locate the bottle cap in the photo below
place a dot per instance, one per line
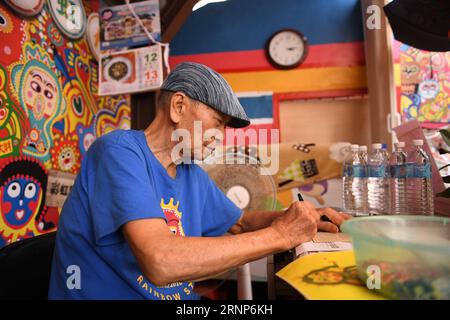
(362, 148)
(354, 147)
(400, 144)
(418, 142)
(376, 146)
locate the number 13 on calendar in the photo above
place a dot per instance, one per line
(152, 66)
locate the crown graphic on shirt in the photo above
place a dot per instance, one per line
(171, 207)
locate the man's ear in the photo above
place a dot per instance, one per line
(178, 107)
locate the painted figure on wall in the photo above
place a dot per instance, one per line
(40, 95)
(425, 85)
(66, 154)
(23, 182)
(50, 115)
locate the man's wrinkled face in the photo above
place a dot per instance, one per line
(206, 128)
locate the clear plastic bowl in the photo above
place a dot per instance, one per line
(411, 254)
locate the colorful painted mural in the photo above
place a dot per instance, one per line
(424, 89)
(49, 115)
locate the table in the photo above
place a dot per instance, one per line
(277, 288)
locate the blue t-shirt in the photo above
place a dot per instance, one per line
(120, 181)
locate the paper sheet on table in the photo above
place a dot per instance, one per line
(327, 276)
(315, 247)
(331, 237)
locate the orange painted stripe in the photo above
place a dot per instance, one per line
(297, 80)
(324, 55)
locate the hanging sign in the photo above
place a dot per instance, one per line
(58, 187)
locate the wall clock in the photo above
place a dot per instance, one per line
(26, 7)
(287, 49)
(69, 16)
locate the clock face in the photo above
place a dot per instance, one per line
(287, 49)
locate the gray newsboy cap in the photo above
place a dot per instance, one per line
(203, 84)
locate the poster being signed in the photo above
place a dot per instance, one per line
(327, 276)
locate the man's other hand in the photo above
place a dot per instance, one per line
(335, 220)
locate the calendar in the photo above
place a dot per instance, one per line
(131, 71)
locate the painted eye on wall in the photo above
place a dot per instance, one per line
(48, 94)
(35, 86)
(30, 190)
(14, 190)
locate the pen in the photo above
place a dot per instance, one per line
(323, 217)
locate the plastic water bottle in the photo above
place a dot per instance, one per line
(419, 190)
(397, 165)
(354, 184)
(378, 182)
(363, 153)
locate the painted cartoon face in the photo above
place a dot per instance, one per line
(428, 89)
(66, 159)
(20, 200)
(40, 93)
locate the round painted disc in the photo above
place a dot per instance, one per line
(26, 7)
(70, 17)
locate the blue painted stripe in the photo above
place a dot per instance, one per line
(237, 25)
(257, 107)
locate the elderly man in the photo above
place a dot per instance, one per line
(139, 224)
